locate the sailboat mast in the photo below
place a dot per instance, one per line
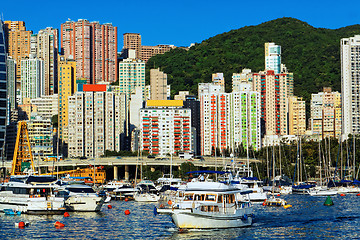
(267, 161)
(280, 158)
(354, 156)
(320, 173)
(300, 162)
(273, 186)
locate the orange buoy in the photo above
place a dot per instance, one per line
(59, 224)
(358, 194)
(21, 225)
(169, 202)
(278, 195)
(109, 206)
(342, 194)
(162, 206)
(264, 203)
(127, 212)
(66, 214)
(126, 199)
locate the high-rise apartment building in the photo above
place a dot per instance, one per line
(297, 116)
(326, 114)
(165, 127)
(3, 88)
(133, 41)
(158, 84)
(148, 51)
(32, 78)
(273, 57)
(275, 89)
(67, 87)
(244, 125)
(40, 135)
(193, 104)
(131, 75)
(228, 120)
(11, 83)
(45, 46)
(242, 81)
(46, 106)
(218, 79)
(95, 124)
(350, 85)
(18, 44)
(94, 47)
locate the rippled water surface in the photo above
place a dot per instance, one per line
(307, 219)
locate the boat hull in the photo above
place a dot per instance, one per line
(190, 220)
(40, 205)
(84, 204)
(146, 197)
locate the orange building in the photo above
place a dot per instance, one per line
(18, 46)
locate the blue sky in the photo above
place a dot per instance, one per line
(179, 22)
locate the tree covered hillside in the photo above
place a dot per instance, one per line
(312, 54)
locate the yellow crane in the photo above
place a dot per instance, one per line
(23, 158)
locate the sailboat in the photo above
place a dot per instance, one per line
(321, 190)
(273, 201)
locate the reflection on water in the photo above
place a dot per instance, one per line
(307, 219)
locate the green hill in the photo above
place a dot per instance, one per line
(312, 54)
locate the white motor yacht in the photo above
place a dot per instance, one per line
(32, 195)
(147, 192)
(120, 189)
(253, 184)
(81, 197)
(167, 181)
(208, 205)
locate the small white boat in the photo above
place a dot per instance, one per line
(146, 192)
(322, 191)
(208, 205)
(275, 202)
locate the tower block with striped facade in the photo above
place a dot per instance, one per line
(23, 158)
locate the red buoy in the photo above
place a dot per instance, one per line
(342, 194)
(278, 195)
(59, 224)
(358, 194)
(109, 206)
(21, 225)
(127, 212)
(126, 199)
(264, 203)
(66, 214)
(169, 202)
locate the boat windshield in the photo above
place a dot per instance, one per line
(81, 190)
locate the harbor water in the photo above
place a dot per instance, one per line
(307, 219)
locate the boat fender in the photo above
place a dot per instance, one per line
(58, 224)
(245, 217)
(155, 211)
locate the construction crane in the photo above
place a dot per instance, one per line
(23, 158)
